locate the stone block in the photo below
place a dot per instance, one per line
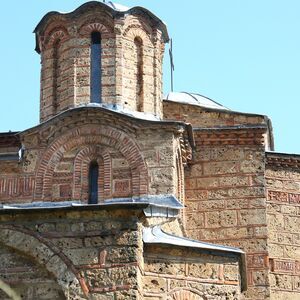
(82, 256)
(204, 270)
(220, 154)
(253, 166)
(212, 219)
(123, 254)
(195, 170)
(213, 168)
(252, 217)
(174, 283)
(165, 267)
(276, 250)
(292, 252)
(231, 272)
(233, 181)
(195, 220)
(228, 218)
(260, 277)
(279, 281)
(154, 284)
(68, 243)
(207, 182)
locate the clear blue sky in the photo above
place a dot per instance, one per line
(243, 54)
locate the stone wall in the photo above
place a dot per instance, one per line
(93, 253)
(283, 216)
(26, 277)
(225, 198)
(178, 273)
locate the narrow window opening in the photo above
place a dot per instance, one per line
(93, 182)
(56, 75)
(95, 58)
(139, 74)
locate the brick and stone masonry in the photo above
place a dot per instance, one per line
(216, 163)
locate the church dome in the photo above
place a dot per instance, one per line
(194, 99)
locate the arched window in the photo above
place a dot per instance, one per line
(138, 44)
(93, 182)
(56, 75)
(95, 59)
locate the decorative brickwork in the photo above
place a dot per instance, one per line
(81, 169)
(16, 188)
(101, 77)
(81, 138)
(70, 86)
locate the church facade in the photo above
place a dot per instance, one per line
(120, 193)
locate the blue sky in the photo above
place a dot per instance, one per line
(244, 54)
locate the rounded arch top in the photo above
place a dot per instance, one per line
(133, 32)
(88, 28)
(59, 33)
(23, 241)
(85, 136)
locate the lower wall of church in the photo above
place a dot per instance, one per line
(283, 216)
(177, 273)
(225, 204)
(71, 254)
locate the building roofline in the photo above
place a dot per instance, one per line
(121, 114)
(267, 120)
(283, 160)
(115, 12)
(8, 133)
(100, 108)
(282, 154)
(237, 127)
(228, 111)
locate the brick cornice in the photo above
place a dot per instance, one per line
(10, 139)
(231, 135)
(283, 160)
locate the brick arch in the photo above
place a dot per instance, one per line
(54, 262)
(135, 31)
(81, 168)
(90, 27)
(86, 136)
(102, 22)
(58, 33)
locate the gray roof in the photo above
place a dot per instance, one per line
(155, 235)
(116, 6)
(160, 201)
(194, 99)
(169, 201)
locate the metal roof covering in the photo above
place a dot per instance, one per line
(116, 6)
(155, 235)
(194, 99)
(167, 201)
